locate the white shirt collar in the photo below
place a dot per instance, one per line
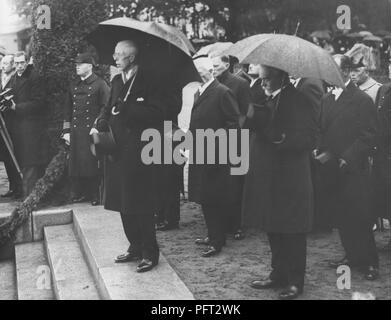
(204, 86)
(129, 74)
(338, 91)
(86, 77)
(368, 84)
(253, 81)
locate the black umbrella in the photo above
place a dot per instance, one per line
(164, 51)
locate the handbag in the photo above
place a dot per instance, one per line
(103, 143)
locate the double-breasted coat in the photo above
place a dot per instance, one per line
(84, 102)
(212, 184)
(130, 184)
(29, 123)
(278, 191)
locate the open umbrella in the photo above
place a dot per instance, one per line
(373, 39)
(164, 50)
(2, 50)
(321, 34)
(298, 57)
(214, 49)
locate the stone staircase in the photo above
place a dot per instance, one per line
(68, 254)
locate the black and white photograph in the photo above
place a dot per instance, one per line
(195, 154)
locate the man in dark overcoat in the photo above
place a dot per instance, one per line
(348, 136)
(85, 99)
(382, 159)
(242, 93)
(278, 192)
(135, 104)
(315, 89)
(29, 124)
(15, 182)
(212, 185)
(257, 93)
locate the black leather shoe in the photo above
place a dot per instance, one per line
(239, 235)
(371, 273)
(290, 293)
(337, 263)
(146, 265)
(267, 283)
(167, 226)
(95, 202)
(127, 257)
(203, 241)
(210, 252)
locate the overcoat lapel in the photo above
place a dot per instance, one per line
(206, 93)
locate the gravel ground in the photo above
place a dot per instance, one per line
(227, 275)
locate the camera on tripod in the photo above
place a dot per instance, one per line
(6, 99)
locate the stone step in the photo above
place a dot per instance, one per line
(102, 238)
(32, 272)
(7, 280)
(71, 277)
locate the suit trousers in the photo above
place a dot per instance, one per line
(215, 219)
(15, 182)
(141, 234)
(358, 241)
(235, 211)
(289, 256)
(169, 211)
(31, 175)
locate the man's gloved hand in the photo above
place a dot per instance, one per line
(67, 138)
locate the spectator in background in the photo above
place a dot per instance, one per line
(85, 99)
(15, 183)
(258, 95)
(348, 135)
(28, 129)
(360, 77)
(242, 93)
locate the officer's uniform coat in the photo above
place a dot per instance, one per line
(84, 102)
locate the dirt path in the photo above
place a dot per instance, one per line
(227, 275)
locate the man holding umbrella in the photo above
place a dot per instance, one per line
(130, 188)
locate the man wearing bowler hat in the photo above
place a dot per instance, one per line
(85, 99)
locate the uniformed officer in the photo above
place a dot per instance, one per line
(85, 99)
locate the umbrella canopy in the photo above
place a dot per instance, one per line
(163, 50)
(214, 49)
(298, 57)
(2, 50)
(373, 39)
(355, 35)
(365, 33)
(321, 34)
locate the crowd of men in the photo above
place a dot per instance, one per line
(319, 156)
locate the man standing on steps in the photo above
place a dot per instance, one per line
(29, 125)
(136, 103)
(242, 94)
(15, 182)
(86, 98)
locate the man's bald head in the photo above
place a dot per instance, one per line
(7, 63)
(125, 54)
